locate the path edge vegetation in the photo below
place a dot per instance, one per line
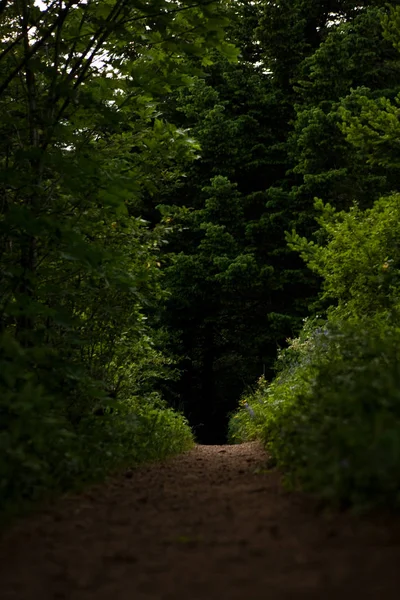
(82, 143)
(330, 417)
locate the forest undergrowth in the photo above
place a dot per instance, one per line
(331, 416)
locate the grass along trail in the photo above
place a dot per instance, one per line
(211, 524)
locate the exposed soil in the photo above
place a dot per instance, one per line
(207, 525)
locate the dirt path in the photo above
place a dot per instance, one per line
(204, 526)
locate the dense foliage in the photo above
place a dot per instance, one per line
(82, 141)
(189, 188)
(236, 290)
(330, 418)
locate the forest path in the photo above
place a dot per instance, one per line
(204, 526)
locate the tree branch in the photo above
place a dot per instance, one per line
(35, 47)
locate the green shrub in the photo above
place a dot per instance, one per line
(331, 418)
(136, 433)
(358, 257)
(245, 425)
(42, 451)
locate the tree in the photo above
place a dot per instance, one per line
(82, 141)
(355, 54)
(236, 292)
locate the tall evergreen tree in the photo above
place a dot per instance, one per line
(270, 140)
(356, 54)
(236, 293)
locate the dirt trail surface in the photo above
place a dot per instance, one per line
(211, 524)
